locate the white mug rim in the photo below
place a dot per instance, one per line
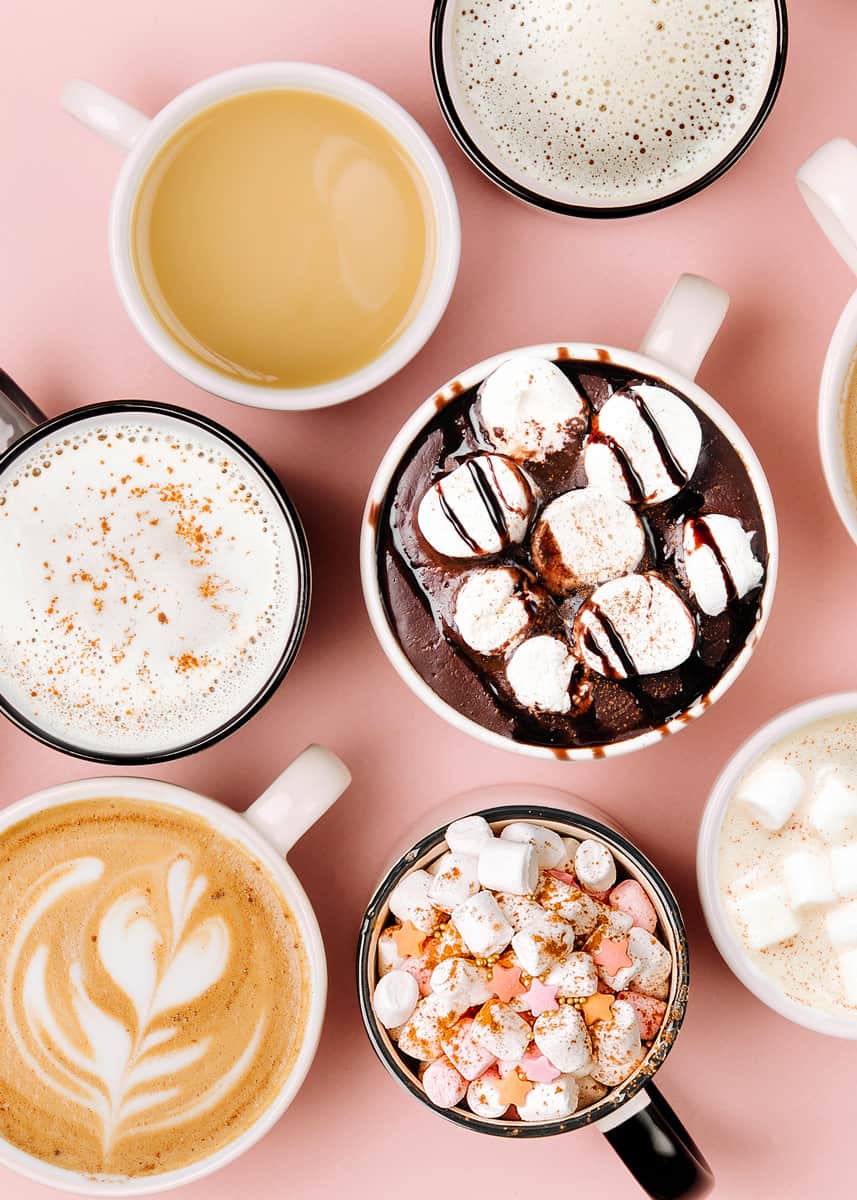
(233, 826)
(370, 100)
(841, 353)
(588, 352)
(767, 735)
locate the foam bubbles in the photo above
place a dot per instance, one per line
(606, 102)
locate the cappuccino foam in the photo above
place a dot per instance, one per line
(148, 583)
(605, 102)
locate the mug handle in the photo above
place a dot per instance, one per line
(828, 183)
(656, 1148)
(298, 797)
(104, 114)
(686, 324)
(18, 414)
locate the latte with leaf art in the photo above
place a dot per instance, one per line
(154, 987)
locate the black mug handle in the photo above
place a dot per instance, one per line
(658, 1151)
(18, 414)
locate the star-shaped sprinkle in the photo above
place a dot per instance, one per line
(563, 877)
(538, 1068)
(597, 1008)
(513, 1089)
(409, 940)
(612, 956)
(540, 998)
(506, 982)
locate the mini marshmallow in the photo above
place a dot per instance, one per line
(617, 1045)
(843, 869)
(579, 909)
(508, 866)
(389, 958)
(542, 943)
(483, 927)
(550, 1101)
(518, 910)
(719, 562)
(636, 625)
(650, 1013)
(570, 845)
(644, 445)
(548, 844)
(395, 998)
(466, 1055)
(421, 1035)
(483, 1096)
(529, 409)
(563, 1038)
(460, 983)
(539, 673)
(418, 967)
(501, 1031)
(833, 809)
(491, 610)
(589, 1091)
(409, 901)
(848, 974)
(594, 866)
(841, 925)
(585, 537)
(630, 897)
(808, 879)
(654, 964)
(443, 1085)
(766, 917)
(574, 976)
(772, 792)
(453, 881)
(468, 835)
(480, 508)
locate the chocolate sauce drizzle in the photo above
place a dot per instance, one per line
(617, 645)
(702, 536)
(673, 468)
(633, 482)
(491, 498)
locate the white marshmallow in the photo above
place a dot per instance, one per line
(580, 910)
(480, 508)
(389, 958)
(483, 1096)
(637, 625)
(466, 1055)
(453, 880)
(589, 1091)
(461, 983)
(518, 910)
(539, 672)
(594, 866)
(843, 869)
(841, 925)
(421, 1035)
(653, 962)
(482, 926)
(808, 879)
(570, 845)
(506, 866)
(623, 444)
(772, 792)
(585, 537)
(491, 612)
(409, 901)
(501, 1031)
(617, 1045)
(833, 809)
(550, 1101)
(766, 917)
(468, 835)
(563, 1039)
(848, 974)
(548, 844)
(542, 943)
(719, 561)
(529, 409)
(395, 998)
(575, 976)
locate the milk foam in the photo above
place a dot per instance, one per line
(607, 102)
(148, 583)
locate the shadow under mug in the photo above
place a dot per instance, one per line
(634, 1117)
(23, 425)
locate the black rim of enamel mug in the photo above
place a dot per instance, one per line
(616, 1097)
(490, 168)
(293, 524)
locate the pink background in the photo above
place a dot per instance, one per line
(771, 1105)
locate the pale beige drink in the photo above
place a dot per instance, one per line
(849, 401)
(283, 237)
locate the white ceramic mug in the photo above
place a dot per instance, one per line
(142, 137)
(708, 862)
(672, 350)
(267, 830)
(828, 183)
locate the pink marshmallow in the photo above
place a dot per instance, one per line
(443, 1085)
(650, 1013)
(418, 967)
(629, 897)
(468, 1057)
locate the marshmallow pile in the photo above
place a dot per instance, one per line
(522, 976)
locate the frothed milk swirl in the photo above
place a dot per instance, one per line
(154, 988)
(606, 102)
(148, 583)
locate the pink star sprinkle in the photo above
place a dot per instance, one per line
(541, 998)
(538, 1068)
(612, 956)
(506, 982)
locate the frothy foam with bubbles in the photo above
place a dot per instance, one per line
(604, 102)
(148, 583)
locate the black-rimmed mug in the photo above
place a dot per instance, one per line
(489, 160)
(634, 1117)
(23, 426)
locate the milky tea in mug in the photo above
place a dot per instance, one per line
(283, 237)
(155, 988)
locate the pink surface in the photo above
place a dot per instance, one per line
(771, 1105)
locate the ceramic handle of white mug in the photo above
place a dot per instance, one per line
(828, 184)
(686, 324)
(102, 113)
(18, 414)
(299, 796)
